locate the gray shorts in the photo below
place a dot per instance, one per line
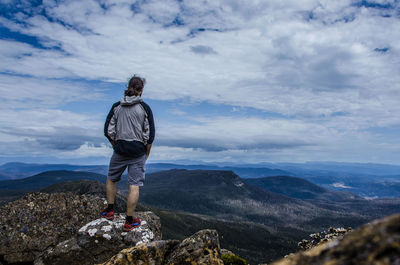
(136, 169)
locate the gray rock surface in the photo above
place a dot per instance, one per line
(58, 228)
(323, 237)
(100, 239)
(147, 253)
(201, 248)
(38, 221)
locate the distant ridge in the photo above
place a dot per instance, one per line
(243, 172)
(298, 188)
(15, 170)
(48, 178)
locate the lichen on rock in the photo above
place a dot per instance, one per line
(100, 239)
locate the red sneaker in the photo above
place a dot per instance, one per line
(130, 226)
(109, 215)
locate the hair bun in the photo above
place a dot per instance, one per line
(135, 86)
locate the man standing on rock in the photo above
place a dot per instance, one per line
(130, 129)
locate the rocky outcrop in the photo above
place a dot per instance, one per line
(375, 243)
(59, 229)
(100, 239)
(151, 253)
(323, 237)
(201, 248)
(37, 221)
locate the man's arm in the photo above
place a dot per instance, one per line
(109, 126)
(151, 128)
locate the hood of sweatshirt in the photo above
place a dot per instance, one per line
(128, 101)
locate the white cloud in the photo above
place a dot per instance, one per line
(87, 150)
(260, 139)
(230, 133)
(163, 12)
(30, 92)
(331, 66)
(48, 129)
(340, 185)
(286, 59)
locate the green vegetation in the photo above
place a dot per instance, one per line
(231, 259)
(257, 243)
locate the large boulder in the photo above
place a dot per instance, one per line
(201, 248)
(100, 239)
(147, 253)
(37, 221)
(375, 243)
(323, 237)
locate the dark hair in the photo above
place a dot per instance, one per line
(135, 86)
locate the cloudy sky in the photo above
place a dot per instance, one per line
(228, 81)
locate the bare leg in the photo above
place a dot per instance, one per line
(111, 190)
(133, 199)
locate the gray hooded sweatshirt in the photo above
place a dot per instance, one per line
(130, 126)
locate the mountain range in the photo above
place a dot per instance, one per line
(15, 188)
(225, 195)
(365, 180)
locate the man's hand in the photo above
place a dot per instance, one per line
(148, 148)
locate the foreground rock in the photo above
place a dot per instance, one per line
(375, 243)
(323, 237)
(37, 221)
(100, 239)
(57, 229)
(200, 248)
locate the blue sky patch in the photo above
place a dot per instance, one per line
(382, 50)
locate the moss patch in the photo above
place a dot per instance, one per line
(230, 259)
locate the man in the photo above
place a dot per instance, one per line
(130, 129)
